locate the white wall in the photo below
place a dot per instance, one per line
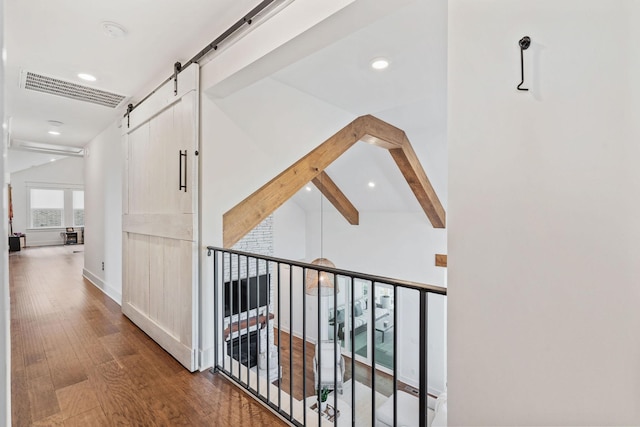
(289, 232)
(400, 245)
(544, 237)
(5, 337)
(67, 171)
(222, 181)
(18, 160)
(291, 320)
(289, 242)
(237, 158)
(103, 212)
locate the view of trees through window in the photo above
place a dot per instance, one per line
(78, 208)
(56, 208)
(47, 208)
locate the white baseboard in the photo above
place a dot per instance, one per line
(207, 357)
(38, 243)
(100, 284)
(297, 335)
(413, 382)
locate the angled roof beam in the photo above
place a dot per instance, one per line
(250, 212)
(416, 177)
(337, 198)
(247, 214)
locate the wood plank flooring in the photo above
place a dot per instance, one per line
(364, 375)
(77, 361)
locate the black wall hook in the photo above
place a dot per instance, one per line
(524, 44)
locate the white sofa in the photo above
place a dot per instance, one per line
(361, 319)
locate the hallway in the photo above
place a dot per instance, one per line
(77, 361)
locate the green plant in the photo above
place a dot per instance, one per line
(324, 393)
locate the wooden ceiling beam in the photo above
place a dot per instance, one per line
(337, 198)
(250, 212)
(247, 214)
(441, 260)
(382, 134)
(416, 177)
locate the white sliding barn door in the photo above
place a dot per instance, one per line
(160, 217)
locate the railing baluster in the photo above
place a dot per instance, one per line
(304, 345)
(336, 346)
(279, 340)
(291, 340)
(267, 325)
(395, 355)
(240, 322)
(224, 320)
(237, 315)
(257, 317)
(318, 363)
(216, 289)
(248, 334)
(372, 310)
(230, 335)
(236, 293)
(353, 353)
(424, 313)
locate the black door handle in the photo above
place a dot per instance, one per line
(182, 174)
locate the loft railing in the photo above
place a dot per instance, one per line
(257, 297)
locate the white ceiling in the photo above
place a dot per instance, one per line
(21, 160)
(335, 84)
(410, 94)
(65, 37)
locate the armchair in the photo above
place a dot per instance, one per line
(329, 354)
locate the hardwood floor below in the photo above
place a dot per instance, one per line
(364, 374)
(77, 361)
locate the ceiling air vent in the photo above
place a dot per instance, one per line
(53, 86)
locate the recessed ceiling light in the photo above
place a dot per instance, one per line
(113, 29)
(52, 160)
(379, 64)
(307, 188)
(87, 77)
(55, 123)
(372, 184)
(54, 132)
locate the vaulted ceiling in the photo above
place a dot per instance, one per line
(66, 37)
(337, 84)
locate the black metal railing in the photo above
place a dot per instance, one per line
(255, 295)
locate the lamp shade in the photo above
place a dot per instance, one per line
(323, 283)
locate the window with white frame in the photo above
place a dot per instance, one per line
(78, 208)
(56, 207)
(47, 208)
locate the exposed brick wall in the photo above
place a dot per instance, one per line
(258, 241)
